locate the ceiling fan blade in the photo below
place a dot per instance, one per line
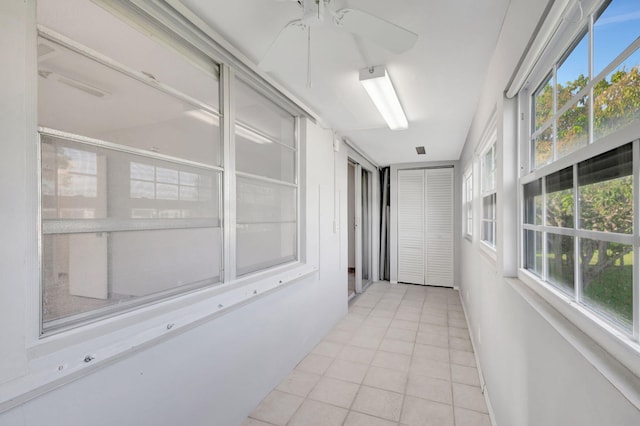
(379, 31)
(291, 33)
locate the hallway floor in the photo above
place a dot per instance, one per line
(401, 356)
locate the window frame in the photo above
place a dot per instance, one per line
(226, 171)
(248, 129)
(467, 203)
(624, 345)
(490, 194)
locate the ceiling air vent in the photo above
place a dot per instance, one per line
(420, 150)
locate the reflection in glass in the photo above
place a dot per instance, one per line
(366, 234)
(560, 260)
(560, 198)
(617, 98)
(489, 170)
(259, 112)
(85, 272)
(489, 219)
(543, 104)
(573, 73)
(266, 226)
(606, 191)
(607, 279)
(543, 144)
(263, 157)
(122, 110)
(573, 127)
(533, 202)
(259, 201)
(72, 182)
(533, 251)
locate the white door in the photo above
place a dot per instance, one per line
(439, 227)
(411, 250)
(425, 226)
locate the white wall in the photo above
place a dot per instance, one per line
(218, 371)
(533, 375)
(212, 371)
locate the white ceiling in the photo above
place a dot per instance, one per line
(438, 81)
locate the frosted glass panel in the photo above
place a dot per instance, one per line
(266, 225)
(107, 271)
(87, 22)
(88, 182)
(263, 245)
(83, 97)
(260, 202)
(263, 115)
(261, 157)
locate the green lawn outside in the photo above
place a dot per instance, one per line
(611, 290)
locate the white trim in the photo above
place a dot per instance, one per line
(356, 154)
(125, 149)
(60, 359)
(544, 35)
(489, 134)
(476, 356)
(587, 333)
(467, 203)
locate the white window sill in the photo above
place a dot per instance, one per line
(69, 355)
(610, 352)
(488, 251)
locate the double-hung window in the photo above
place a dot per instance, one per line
(266, 182)
(489, 192)
(134, 178)
(580, 231)
(130, 192)
(467, 182)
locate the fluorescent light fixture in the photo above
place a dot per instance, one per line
(378, 85)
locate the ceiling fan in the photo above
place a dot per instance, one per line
(362, 24)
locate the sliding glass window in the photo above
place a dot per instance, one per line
(130, 180)
(266, 182)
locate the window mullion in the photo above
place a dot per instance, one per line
(576, 242)
(229, 181)
(545, 263)
(636, 245)
(591, 91)
(555, 114)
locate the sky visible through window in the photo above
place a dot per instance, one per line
(614, 30)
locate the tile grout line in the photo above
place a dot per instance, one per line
(350, 409)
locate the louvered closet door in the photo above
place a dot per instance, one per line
(439, 227)
(411, 253)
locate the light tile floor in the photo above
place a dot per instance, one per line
(401, 356)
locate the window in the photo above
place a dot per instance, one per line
(467, 202)
(588, 256)
(579, 232)
(266, 183)
(581, 108)
(130, 187)
(132, 173)
(489, 193)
